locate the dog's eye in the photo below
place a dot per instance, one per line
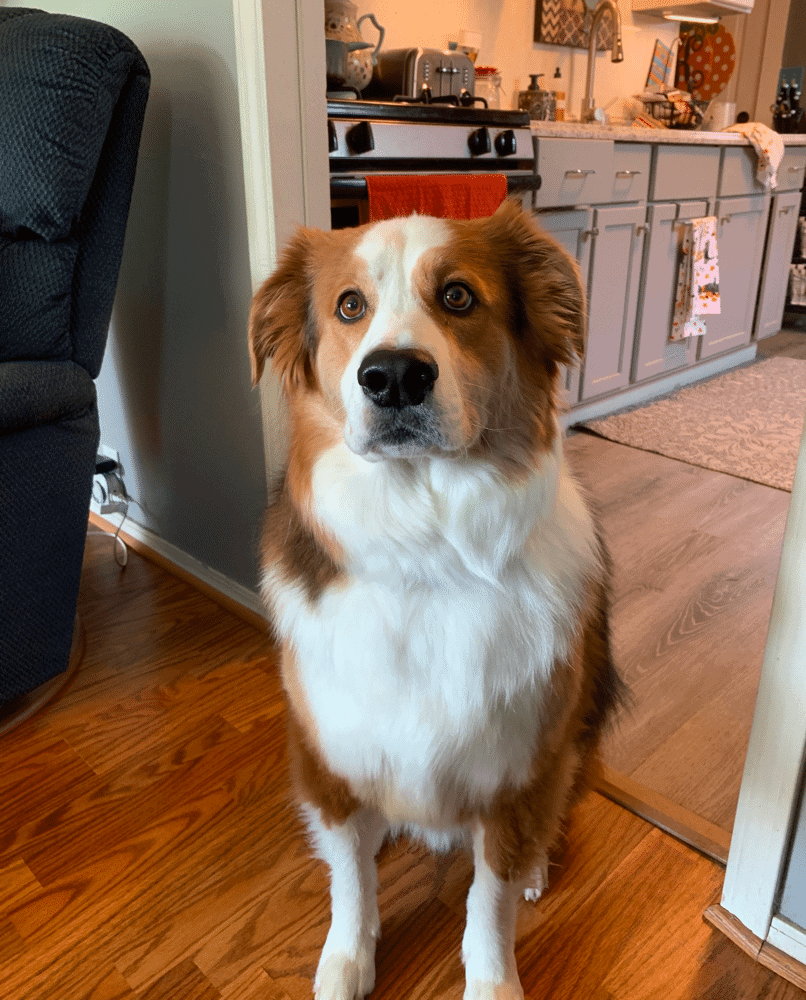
(351, 306)
(457, 297)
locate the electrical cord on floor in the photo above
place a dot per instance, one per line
(120, 549)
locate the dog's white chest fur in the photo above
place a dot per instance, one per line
(425, 670)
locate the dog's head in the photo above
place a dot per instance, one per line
(422, 336)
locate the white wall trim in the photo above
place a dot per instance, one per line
(284, 140)
(788, 938)
(231, 589)
(775, 755)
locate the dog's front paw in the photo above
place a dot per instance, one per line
(340, 977)
(476, 989)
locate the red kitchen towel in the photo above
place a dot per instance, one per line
(448, 196)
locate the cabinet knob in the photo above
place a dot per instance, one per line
(642, 227)
(590, 232)
(726, 218)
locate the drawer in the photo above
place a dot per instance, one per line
(574, 171)
(738, 177)
(630, 174)
(683, 172)
(791, 171)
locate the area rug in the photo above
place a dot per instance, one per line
(746, 422)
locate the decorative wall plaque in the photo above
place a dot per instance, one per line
(568, 22)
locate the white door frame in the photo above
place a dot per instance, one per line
(280, 49)
(775, 754)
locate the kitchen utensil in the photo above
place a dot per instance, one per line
(341, 25)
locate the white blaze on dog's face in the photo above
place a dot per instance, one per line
(421, 336)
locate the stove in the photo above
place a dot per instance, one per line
(424, 137)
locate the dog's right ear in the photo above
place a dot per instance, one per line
(280, 321)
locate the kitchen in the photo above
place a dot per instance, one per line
(168, 395)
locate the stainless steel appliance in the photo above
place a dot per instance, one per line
(423, 138)
(408, 72)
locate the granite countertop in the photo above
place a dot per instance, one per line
(628, 133)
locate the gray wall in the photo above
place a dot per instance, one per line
(174, 391)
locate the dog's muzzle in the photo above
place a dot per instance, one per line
(399, 387)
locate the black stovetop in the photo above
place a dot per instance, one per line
(418, 112)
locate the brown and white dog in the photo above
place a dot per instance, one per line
(432, 571)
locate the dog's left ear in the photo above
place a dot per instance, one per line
(280, 323)
(547, 292)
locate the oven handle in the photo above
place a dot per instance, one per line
(352, 187)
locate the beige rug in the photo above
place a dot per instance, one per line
(746, 422)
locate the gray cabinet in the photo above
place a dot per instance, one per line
(572, 230)
(740, 235)
(617, 243)
(780, 241)
(655, 354)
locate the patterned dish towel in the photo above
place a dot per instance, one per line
(698, 281)
(769, 147)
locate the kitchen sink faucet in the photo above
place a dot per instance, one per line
(588, 103)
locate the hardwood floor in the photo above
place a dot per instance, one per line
(148, 850)
(696, 558)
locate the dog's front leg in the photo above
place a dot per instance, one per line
(488, 946)
(347, 965)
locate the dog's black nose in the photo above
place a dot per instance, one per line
(397, 378)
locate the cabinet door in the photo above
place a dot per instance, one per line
(571, 229)
(740, 237)
(777, 255)
(655, 353)
(616, 252)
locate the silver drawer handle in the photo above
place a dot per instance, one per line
(578, 173)
(796, 170)
(590, 232)
(626, 174)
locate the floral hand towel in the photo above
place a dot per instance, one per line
(698, 280)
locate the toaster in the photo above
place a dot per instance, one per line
(408, 72)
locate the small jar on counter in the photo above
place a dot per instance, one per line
(488, 85)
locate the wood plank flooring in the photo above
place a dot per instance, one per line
(696, 558)
(148, 849)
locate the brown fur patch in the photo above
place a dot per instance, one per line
(523, 822)
(288, 543)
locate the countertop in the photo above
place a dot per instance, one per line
(628, 133)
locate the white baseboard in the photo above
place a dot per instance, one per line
(187, 566)
(788, 938)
